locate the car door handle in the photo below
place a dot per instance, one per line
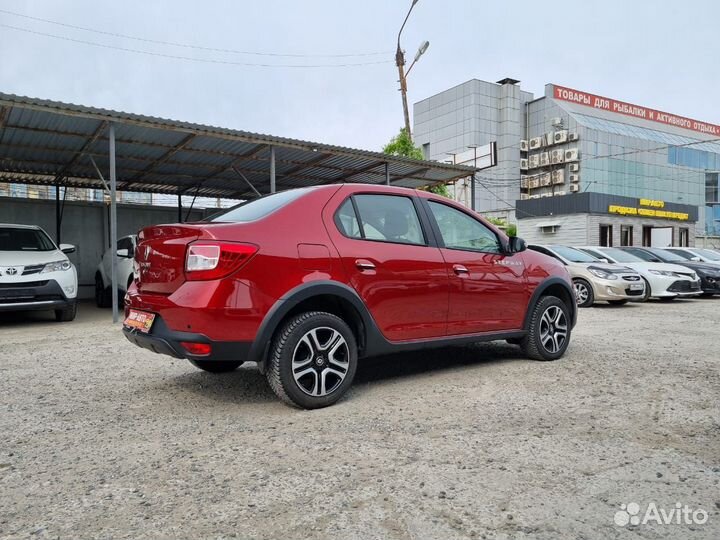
(460, 270)
(363, 264)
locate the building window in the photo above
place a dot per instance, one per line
(606, 235)
(426, 150)
(684, 239)
(647, 236)
(626, 235)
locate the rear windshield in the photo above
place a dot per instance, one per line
(258, 208)
(14, 239)
(573, 255)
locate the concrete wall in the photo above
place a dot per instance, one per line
(87, 226)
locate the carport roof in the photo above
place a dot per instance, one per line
(52, 143)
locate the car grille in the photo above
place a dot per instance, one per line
(23, 284)
(630, 292)
(33, 269)
(684, 286)
(631, 278)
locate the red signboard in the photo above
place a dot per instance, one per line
(628, 109)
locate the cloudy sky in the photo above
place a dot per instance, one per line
(657, 53)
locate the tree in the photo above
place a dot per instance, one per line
(510, 229)
(402, 145)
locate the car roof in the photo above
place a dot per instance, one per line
(18, 226)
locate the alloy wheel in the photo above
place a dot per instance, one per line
(553, 329)
(320, 361)
(581, 292)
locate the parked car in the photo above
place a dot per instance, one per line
(709, 275)
(697, 254)
(596, 281)
(125, 250)
(304, 282)
(662, 280)
(36, 274)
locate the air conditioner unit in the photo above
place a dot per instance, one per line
(523, 181)
(557, 121)
(559, 193)
(545, 180)
(534, 161)
(535, 143)
(574, 178)
(558, 177)
(549, 138)
(523, 164)
(574, 167)
(534, 183)
(544, 159)
(523, 145)
(571, 154)
(572, 137)
(557, 156)
(560, 136)
(574, 188)
(524, 196)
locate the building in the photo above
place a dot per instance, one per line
(578, 168)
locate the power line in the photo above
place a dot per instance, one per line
(189, 58)
(190, 46)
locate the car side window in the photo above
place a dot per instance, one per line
(389, 218)
(461, 231)
(347, 221)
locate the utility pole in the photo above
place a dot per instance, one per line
(400, 63)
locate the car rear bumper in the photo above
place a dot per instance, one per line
(33, 295)
(162, 340)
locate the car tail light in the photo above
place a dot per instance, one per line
(196, 349)
(214, 260)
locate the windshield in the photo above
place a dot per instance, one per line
(573, 255)
(667, 256)
(15, 239)
(709, 254)
(619, 255)
(684, 255)
(258, 208)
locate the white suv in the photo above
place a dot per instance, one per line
(35, 274)
(125, 252)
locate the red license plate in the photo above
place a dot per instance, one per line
(139, 320)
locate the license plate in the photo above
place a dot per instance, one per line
(637, 286)
(139, 320)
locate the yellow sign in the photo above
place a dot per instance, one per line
(653, 203)
(647, 212)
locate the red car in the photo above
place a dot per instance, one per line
(306, 282)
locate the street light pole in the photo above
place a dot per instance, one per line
(400, 63)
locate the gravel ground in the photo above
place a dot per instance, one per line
(100, 439)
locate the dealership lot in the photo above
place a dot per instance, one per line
(102, 439)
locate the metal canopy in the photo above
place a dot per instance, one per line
(52, 143)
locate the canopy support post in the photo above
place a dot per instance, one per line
(113, 224)
(272, 169)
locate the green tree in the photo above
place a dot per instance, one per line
(510, 229)
(402, 145)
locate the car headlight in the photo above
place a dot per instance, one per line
(56, 266)
(661, 273)
(601, 273)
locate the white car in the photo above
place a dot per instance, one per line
(697, 254)
(35, 274)
(662, 280)
(125, 252)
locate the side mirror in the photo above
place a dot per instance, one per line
(696, 259)
(123, 253)
(516, 244)
(604, 261)
(67, 248)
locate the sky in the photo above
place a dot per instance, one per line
(658, 54)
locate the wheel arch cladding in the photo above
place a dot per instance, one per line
(554, 286)
(328, 296)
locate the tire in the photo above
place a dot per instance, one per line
(707, 295)
(583, 293)
(648, 291)
(217, 366)
(66, 314)
(310, 352)
(102, 293)
(617, 302)
(550, 317)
